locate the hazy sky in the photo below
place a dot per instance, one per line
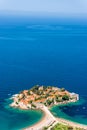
(57, 7)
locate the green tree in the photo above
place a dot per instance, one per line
(65, 97)
(57, 98)
(49, 102)
(34, 106)
(35, 88)
(45, 128)
(30, 101)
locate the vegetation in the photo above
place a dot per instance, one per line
(49, 96)
(45, 128)
(17, 103)
(35, 89)
(30, 101)
(33, 106)
(57, 99)
(65, 97)
(49, 102)
(64, 127)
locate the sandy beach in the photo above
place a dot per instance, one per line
(47, 120)
(50, 120)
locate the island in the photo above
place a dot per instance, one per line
(38, 95)
(42, 98)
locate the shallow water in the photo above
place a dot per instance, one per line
(76, 112)
(16, 119)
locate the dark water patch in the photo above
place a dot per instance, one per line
(76, 112)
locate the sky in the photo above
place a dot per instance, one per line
(44, 7)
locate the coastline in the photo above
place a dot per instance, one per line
(23, 101)
(36, 124)
(49, 120)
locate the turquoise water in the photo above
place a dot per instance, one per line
(44, 54)
(75, 112)
(16, 119)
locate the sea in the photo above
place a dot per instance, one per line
(42, 53)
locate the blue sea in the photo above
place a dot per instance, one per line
(45, 54)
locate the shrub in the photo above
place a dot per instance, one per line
(65, 97)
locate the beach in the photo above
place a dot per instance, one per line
(49, 121)
(46, 121)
